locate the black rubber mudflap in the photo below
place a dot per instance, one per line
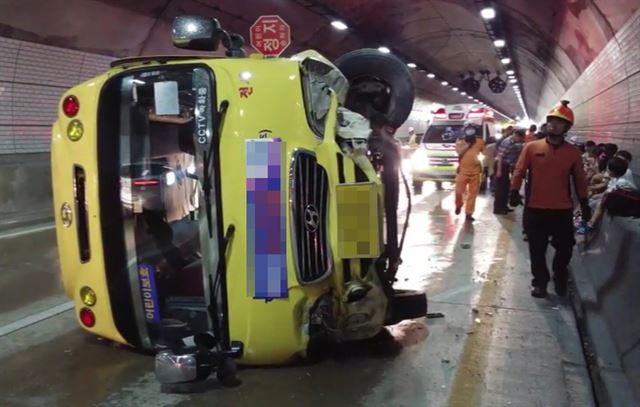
(407, 304)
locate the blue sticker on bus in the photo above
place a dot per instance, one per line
(146, 275)
(266, 219)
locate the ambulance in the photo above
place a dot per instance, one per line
(436, 159)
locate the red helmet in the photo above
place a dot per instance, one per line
(562, 111)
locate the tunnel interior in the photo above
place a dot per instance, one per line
(583, 51)
(580, 50)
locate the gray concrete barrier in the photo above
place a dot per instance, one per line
(607, 279)
(25, 190)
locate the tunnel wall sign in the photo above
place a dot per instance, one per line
(270, 35)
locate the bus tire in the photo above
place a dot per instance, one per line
(379, 84)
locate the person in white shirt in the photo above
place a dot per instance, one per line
(617, 167)
(628, 176)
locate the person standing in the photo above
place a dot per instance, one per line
(490, 151)
(542, 132)
(469, 174)
(531, 133)
(552, 164)
(508, 131)
(413, 138)
(506, 159)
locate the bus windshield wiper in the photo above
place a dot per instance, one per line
(207, 185)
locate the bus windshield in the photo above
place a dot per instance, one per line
(161, 120)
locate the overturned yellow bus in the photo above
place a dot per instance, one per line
(221, 209)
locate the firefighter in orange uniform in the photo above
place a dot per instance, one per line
(469, 174)
(552, 164)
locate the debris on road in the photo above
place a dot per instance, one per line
(409, 332)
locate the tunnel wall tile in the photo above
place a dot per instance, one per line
(606, 97)
(8, 50)
(32, 79)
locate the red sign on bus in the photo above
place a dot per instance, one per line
(270, 35)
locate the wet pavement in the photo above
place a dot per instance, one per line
(495, 346)
(29, 272)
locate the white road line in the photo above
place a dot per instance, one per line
(21, 232)
(35, 318)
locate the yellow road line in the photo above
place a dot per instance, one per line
(468, 382)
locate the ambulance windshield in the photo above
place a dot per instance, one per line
(446, 133)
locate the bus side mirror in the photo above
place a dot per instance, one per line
(196, 33)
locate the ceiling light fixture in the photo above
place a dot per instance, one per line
(488, 13)
(339, 25)
(506, 61)
(430, 76)
(513, 80)
(455, 89)
(510, 72)
(412, 65)
(499, 43)
(444, 83)
(384, 50)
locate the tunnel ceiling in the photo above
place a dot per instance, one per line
(550, 42)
